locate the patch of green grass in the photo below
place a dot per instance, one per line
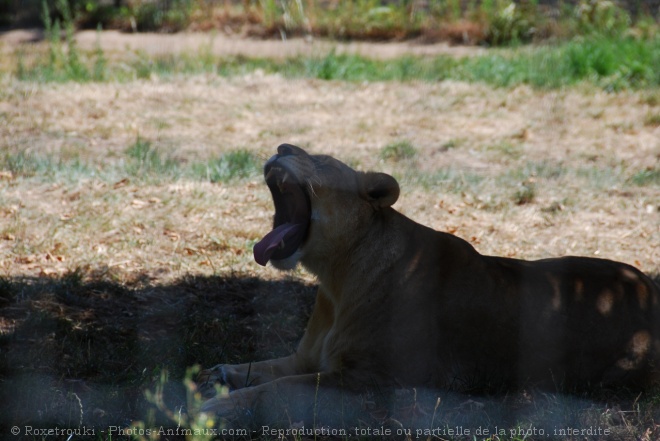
(398, 151)
(614, 63)
(64, 62)
(526, 192)
(523, 184)
(600, 178)
(232, 165)
(143, 161)
(508, 22)
(541, 169)
(607, 62)
(506, 149)
(142, 66)
(443, 180)
(652, 120)
(452, 144)
(23, 163)
(610, 63)
(345, 67)
(144, 158)
(600, 17)
(651, 98)
(236, 164)
(26, 164)
(649, 176)
(171, 17)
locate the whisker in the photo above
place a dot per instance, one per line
(311, 187)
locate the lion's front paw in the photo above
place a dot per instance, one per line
(208, 379)
(228, 406)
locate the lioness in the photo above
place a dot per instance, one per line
(401, 305)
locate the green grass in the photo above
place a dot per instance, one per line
(141, 160)
(526, 193)
(398, 151)
(144, 159)
(443, 180)
(607, 59)
(229, 166)
(25, 164)
(649, 176)
(651, 98)
(505, 149)
(652, 120)
(523, 184)
(609, 63)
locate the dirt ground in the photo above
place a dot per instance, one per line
(161, 270)
(225, 45)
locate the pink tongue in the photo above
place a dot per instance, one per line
(267, 246)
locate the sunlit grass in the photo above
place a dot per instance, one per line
(398, 151)
(142, 160)
(612, 64)
(603, 53)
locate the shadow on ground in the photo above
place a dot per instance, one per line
(82, 352)
(78, 351)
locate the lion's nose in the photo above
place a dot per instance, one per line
(288, 149)
(269, 163)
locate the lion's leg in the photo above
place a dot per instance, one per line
(316, 397)
(238, 376)
(305, 360)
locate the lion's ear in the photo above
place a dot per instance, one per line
(380, 189)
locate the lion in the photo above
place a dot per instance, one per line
(400, 305)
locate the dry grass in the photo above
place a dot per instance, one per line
(108, 277)
(581, 148)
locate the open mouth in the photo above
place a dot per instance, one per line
(292, 216)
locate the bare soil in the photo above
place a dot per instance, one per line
(221, 44)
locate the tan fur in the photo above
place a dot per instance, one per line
(402, 305)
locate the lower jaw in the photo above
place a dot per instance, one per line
(288, 263)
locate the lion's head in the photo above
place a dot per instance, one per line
(318, 199)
